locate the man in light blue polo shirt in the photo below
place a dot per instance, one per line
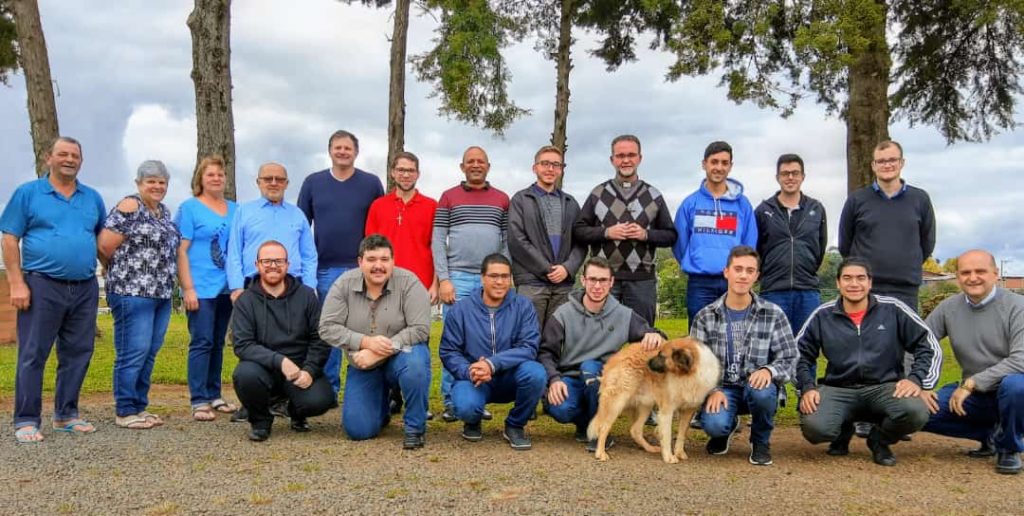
(55, 219)
(269, 218)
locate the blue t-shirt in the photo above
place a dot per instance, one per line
(337, 211)
(207, 231)
(58, 234)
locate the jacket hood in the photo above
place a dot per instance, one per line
(733, 190)
(291, 285)
(576, 302)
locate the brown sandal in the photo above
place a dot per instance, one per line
(222, 406)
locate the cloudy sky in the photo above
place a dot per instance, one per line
(303, 69)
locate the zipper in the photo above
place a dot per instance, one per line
(494, 345)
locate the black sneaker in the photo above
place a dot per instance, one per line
(985, 450)
(487, 416)
(448, 416)
(413, 441)
(719, 445)
(580, 436)
(472, 433)
(1008, 463)
(299, 424)
(880, 452)
(395, 403)
(240, 416)
(862, 429)
(592, 444)
(258, 434)
(760, 455)
(841, 446)
(517, 438)
(695, 423)
(279, 407)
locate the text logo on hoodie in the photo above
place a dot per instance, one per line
(716, 223)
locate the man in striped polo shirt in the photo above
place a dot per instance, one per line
(470, 223)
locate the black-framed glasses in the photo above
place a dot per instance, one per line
(494, 276)
(276, 262)
(597, 281)
(551, 164)
(406, 171)
(887, 161)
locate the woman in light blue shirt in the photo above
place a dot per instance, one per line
(204, 222)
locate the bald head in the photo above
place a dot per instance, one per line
(976, 274)
(977, 254)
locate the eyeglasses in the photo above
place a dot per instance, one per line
(887, 161)
(406, 171)
(493, 276)
(626, 155)
(276, 262)
(274, 179)
(597, 281)
(790, 173)
(551, 164)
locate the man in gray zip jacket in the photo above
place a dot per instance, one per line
(540, 222)
(579, 338)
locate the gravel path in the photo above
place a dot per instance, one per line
(210, 468)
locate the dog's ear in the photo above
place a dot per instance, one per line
(682, 359)
(656, 364)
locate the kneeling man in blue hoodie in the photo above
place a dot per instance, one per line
(489, 345)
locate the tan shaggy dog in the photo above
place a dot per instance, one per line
(676, 377)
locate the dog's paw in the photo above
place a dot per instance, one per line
(671, 459)
(681, 454)
(601, 456)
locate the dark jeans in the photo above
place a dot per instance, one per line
(840, 407)
(640, 295)
(255, 385)
(761, 404)
(207, 327)
(796, 304)
(545, 298)
(580, 404)
(701, 291)
(523, 384)
(61, 311)
(999, 414)
(365, 408)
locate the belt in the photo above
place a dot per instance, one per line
(58, 280)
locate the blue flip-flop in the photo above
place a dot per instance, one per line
(69, 427)
(22, 435)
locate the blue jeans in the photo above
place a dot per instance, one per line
(580, 404)
(365, 408)
(999, 414)
(61, 311)
(701, 291)
(207, 327)
(796, 304)
(523, 384)
(761, 404)
(464, 283)
(140, 324)
(332, 369)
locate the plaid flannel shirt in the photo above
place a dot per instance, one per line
(769, 341)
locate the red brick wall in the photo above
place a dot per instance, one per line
(7, 335)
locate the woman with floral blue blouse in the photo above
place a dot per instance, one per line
(139, 245)
(204, 222)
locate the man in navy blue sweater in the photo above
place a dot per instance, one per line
(335, 202)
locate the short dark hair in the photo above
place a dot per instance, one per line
(743, 250)
(405, 155)
(374, 242)
(597, 261)
(885, 144)
(341, 133)
(548, 148)
(627, 138)
(716, 147)
(270, 243)
(65, 139)
(494, 258)
(853, 261)
(789, 158)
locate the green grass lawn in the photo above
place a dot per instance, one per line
(171, 364)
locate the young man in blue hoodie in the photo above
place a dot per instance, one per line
(489, 345)
(710, 222)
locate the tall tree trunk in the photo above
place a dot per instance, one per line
(867, 116)
(563, 67)
(396, 93)
(35, 62)
(210, 24)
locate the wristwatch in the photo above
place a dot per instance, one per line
(964, 386)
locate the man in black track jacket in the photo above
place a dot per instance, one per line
(864, 337)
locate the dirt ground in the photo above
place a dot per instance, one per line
(186, 467)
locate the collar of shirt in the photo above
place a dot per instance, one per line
(465, 186)
(988, 299)
(903, 188)
(267, 202)
(361, 287)
(540, 191)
